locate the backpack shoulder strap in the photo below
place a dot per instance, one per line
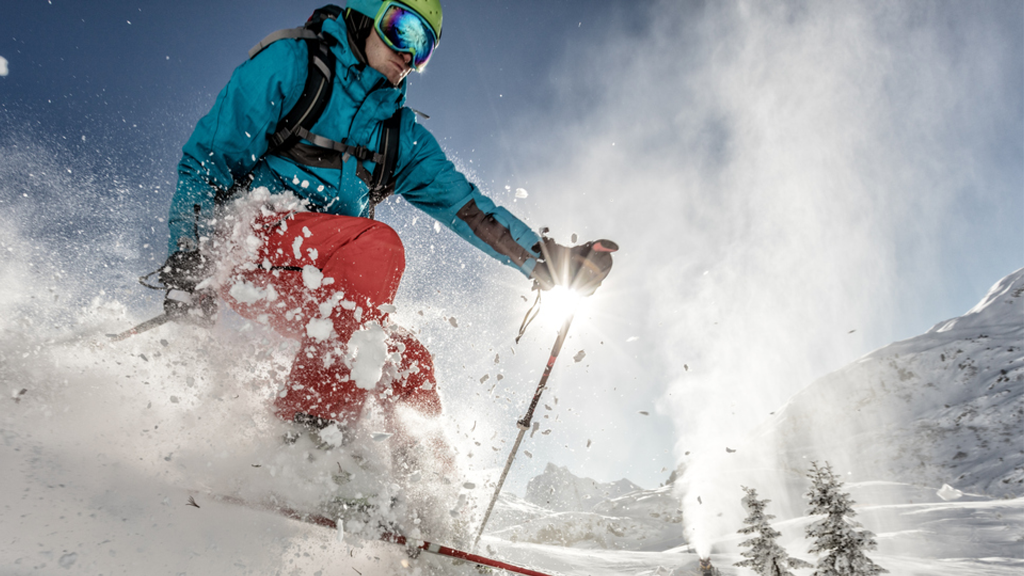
(382, 181)
(295, 33)
(309, 31)
(319, 77)
(315, 95)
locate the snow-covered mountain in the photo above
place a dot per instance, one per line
(559, 490)
(555, 490)
(565, 510)
(945, 407)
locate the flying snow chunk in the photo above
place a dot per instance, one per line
(368, 350)
(579, 356)
(380, 436)
(332, 435)
(3, 66)
(521, 193)
(312, 277)
(458, 506)
(248, 293)
(948, 493)
(70, 558)
(632, 339)
(319, 329)
(453, 322)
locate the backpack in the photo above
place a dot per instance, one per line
(296, 124)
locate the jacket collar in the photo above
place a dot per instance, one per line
(351, 55)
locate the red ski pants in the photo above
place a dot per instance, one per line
(357, 265)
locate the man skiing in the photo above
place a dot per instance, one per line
(318, 113)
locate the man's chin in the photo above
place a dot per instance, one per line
(398, 75)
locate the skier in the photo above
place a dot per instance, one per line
(318, 112)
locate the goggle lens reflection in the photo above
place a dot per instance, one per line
(406, 31)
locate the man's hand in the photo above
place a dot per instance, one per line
(579, 268)
(185, 301)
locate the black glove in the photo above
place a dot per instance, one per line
(184, 302)
(579, 268)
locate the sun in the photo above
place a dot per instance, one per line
(558, 304)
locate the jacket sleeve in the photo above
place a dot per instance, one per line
(227, 143)
(428, 180)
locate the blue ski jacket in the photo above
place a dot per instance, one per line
(230, 144)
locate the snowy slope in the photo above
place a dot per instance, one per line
(918, 534)
(944, 407)
(922, 536)
(100, 443)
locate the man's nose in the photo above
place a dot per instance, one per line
(406, 57)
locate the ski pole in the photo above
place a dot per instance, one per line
(318, 519)
(524, 423)
(147, 325)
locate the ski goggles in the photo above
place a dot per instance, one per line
(406, 31)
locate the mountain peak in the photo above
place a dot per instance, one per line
(1003, 306)
(560, 490)
(940, 408)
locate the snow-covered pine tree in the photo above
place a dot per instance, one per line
(836, 536)
(765, 556)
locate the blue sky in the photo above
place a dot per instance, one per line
(793, 184)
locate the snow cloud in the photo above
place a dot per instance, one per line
(771, 171)
(3, 66)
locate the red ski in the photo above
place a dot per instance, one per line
(392, 537)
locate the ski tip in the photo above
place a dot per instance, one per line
(605, 246)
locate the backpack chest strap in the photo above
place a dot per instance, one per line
(346, 150)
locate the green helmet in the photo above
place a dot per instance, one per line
(430, 10)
